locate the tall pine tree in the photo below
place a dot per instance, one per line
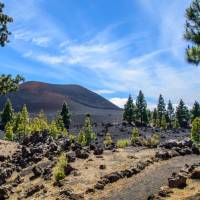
(161, 109)
(4, 20)
(155, 117)
(7, 113)
(170, 114)
(65, 115)
(141, 109)
(129, 110)
(195, 110)
(192, 33)
(182, 114)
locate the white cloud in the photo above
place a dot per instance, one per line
(104, 91)
(120, 102)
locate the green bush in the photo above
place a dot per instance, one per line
(195, 133)
(134, 136)
(9, 132)
(108, 139)
(153, 141)
(72, 137)
(58, 171)
(81, 138)
(88, 131)
(122, 143)
(53, 130)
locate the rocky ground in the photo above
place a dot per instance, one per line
(94, 172)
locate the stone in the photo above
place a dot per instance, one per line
(178, 181)
(34, 189)
(195, 150)
(98, 151)
(4, 193)
(18, 180)
(82, 154)
(47, 173)
(90, 190)
(66, 144)
(37, 171)
(99, 186)
(113, 177)
(196, 173)
(71, 156)
(68, 169)
(165, 191)
(102, 167)
(163, 155)
(2, 158)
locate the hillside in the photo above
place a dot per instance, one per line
(50, 97)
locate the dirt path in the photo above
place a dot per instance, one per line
(139, 187)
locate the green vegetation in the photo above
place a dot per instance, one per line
(195, 110)
(65, 114)
(161, 110)
(39, 123)
(141, 109)
(176, 124)
(82, 138)
(9, 132)
(88, 131)
(195, 133)
(192, 33)
(134, 136)
(170, 114)
(182, 114)
(163, 124)
(7, 114)
(129, 110)
(153, 141)
(4, 20)
(122, 143)
(108, 139)
(9, 84)
(53, 129)
(59, 169)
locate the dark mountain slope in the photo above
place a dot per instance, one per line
(50, 97)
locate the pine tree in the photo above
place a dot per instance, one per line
(192, 33)
(82, 138)
(24, 124)
(129, 110)
(9, 132)
(108, 139)
(59, 122)
(182, 114)
(9, 84)
(176, 124)
(163, 123)
(53, 130)
(195, 133)
(135, 135)
(4, 20)
(161, 109)
(155, 117)
(170, 114)
(65, 115)
(7, 114)
(195, 110)
(88, 131)
(141, 109)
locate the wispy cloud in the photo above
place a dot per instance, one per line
(117, 63)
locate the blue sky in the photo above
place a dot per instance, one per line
(114, 48)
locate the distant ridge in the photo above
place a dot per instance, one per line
(50, 97)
